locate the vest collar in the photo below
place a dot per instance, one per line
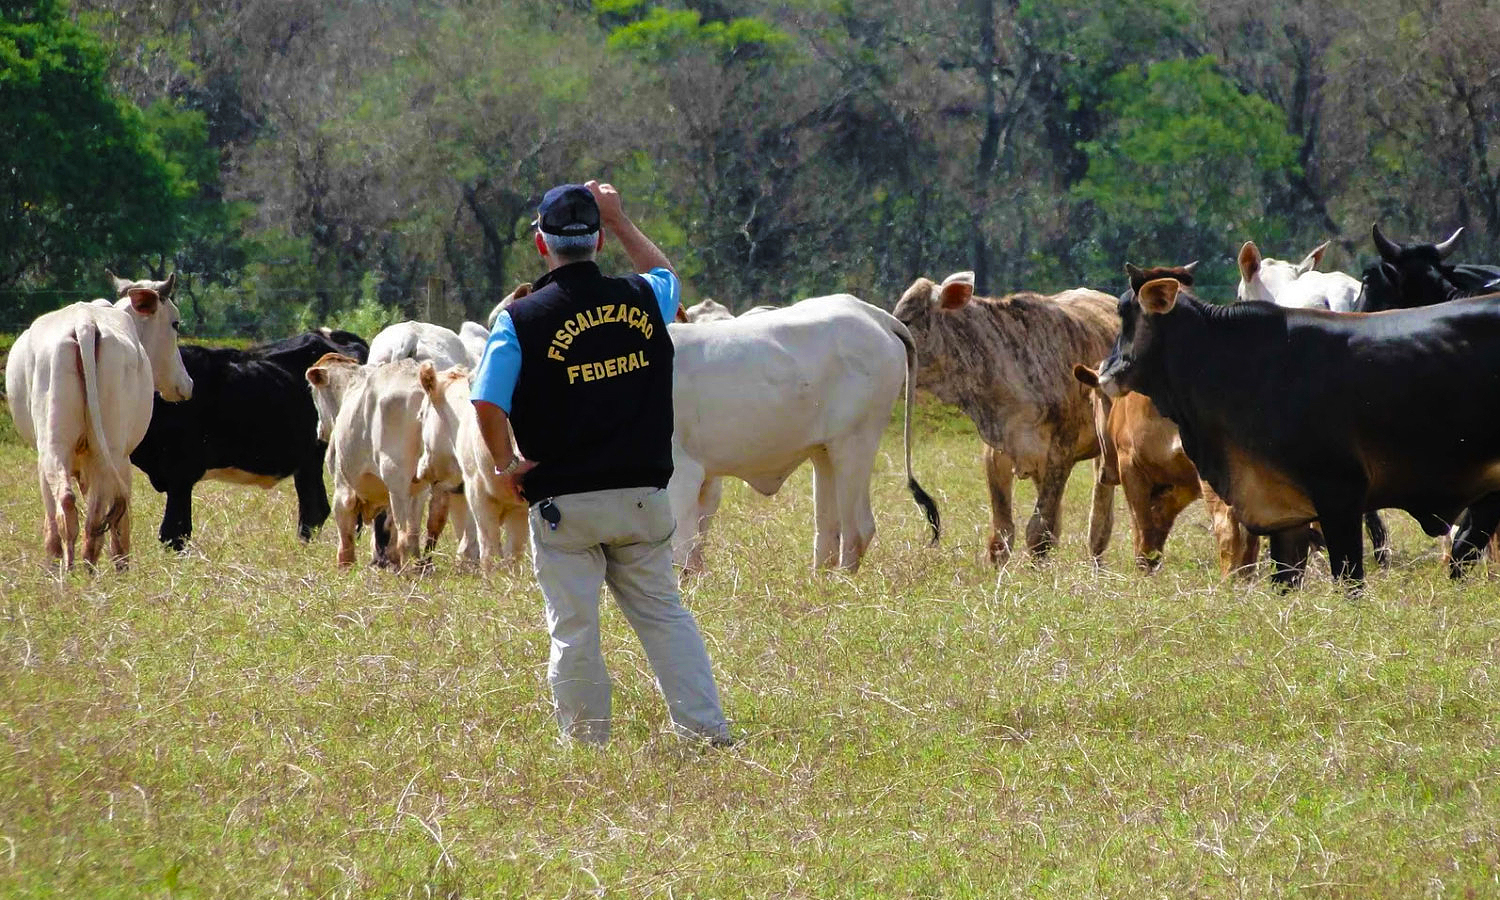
(585, 270)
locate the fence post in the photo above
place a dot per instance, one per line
(437, 306)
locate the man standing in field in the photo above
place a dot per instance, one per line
(582, 370)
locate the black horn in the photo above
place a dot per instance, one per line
(1387, 247)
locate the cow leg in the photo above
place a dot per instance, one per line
(468, 531)
(1238, 548)
(1148, 543)
(517, 532)
(1346, 552)
(437, 517)
(381, 537)
(1101, 513)
(406, 520)
(1045, 525)
(59, 514)
(484, 513)
(682, 493)
(119, 536)
(1289, 549)
(853, 463)
(100, 509)
(177, 518)
(312, 497)
(1000, 473)
(1475, 528)
(346, 518)
(825, 511)
(1380, 540)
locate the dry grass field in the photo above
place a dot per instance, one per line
(246, 721)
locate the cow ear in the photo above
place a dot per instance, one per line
(1158, 296)
(144, 300)
(956, 290)
(119, 284)
(1086, 376)
(1249, 260)
(317, 376)
(521, 290)
(681, 314)
(1311, 260)
(427, 374)
(1391, 274)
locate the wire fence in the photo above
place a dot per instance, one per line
(12, 300)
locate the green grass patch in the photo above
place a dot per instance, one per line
(247, 721)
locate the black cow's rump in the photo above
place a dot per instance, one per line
(250, 420)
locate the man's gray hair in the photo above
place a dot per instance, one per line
(572, 247)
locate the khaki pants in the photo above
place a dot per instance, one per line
(622, 538)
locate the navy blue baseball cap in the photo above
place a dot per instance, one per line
(568, 210)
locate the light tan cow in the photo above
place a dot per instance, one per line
(454, 455)
(1143, 453)
(1006, 362)
(369, 415)
(79, 383)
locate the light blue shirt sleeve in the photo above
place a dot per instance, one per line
(500, 366)
(668, 291)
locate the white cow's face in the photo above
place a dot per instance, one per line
(157, 323)
(329, 379)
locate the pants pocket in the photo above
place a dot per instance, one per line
(658, 525)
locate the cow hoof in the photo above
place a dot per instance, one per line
(999, 552)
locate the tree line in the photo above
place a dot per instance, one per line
(302, 162)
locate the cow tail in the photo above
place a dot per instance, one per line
(920, 496)
(87, 336)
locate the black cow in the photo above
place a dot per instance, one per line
(1297, 415)
(250, 421)
(1409, 275)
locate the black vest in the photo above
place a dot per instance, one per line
(593, 403)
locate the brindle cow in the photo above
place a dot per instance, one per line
(1006, 362)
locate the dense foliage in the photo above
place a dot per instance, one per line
(310, 161)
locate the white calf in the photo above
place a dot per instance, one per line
(79, 383)
(454, 454)
(756, 396)
(369, 416)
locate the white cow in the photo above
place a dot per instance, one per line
(419, 341)
(454, 455)
(707, 311)
(79, 383)
(369, 415)
(1297, 286)
(521, 290)
(756, 396)
(474, 337)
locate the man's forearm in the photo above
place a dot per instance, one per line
(494, 428)
(644, 255)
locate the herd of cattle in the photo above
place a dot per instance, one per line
(1293, 414)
